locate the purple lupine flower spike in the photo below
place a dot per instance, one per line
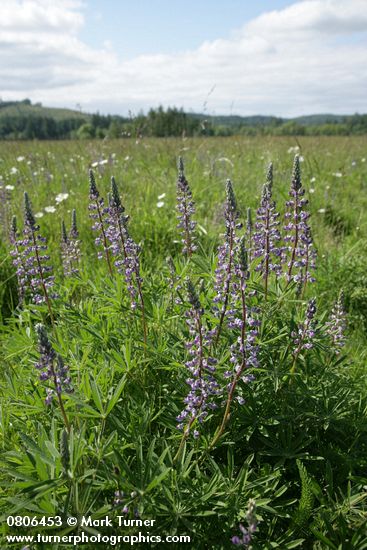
(226, 252)
(74, 232)
(70, 250)
(299, 252)
(52, 369)
(117, 232)
(51, 366)
(267, 236)
(186, 209)
(98, 213)
(336, 325)
(125, 250)
(304, 336)
(31, 260)
(123, 246)
(201, 367)
(244, 351)
(247, 533)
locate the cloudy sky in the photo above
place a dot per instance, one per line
(277, 57)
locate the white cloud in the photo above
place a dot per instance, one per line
(309, 57)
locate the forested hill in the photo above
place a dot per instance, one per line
(24, 120)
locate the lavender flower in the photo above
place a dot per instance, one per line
(303, 337)
(300, 252)
(244, 351)
(267, 235)
(30, 259)
(186, 209)
(201, 367)
(123, 247)
(116, 231)
(74, 232)
(246, 534)
(70, 249)
(51, 367)
(98, 212)
(119, 499)
(125, 250)
(226, 252)
(336, 325)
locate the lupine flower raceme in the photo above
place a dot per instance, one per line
(31, 260)
(186, 209)
(245, 538)
(125, 250)
(305, 334)
(224, 272)
(52, 369)
(267, 236)
(242, 319)
(70, 248)
(98, 213)
(336, 325)
(201, 367)
(299, 254)
(123, 247)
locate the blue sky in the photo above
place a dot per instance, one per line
(164, 26)
(280, 57)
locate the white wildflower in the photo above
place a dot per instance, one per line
(161, 196)
(50, 209)
(160, 204)
(61, 197)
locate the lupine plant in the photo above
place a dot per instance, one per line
(201, 367)
(98, 213)
(298, 252)
(70, 248)
(52, 369)
(32, 261)
(125, 250)
(247, 532)
(227, 251)
(303, 337)
(186, 209)
(267, 236)
(242, 319)
(336, 325)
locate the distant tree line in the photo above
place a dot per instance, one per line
(30, 122)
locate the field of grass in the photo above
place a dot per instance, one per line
(295, 436)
